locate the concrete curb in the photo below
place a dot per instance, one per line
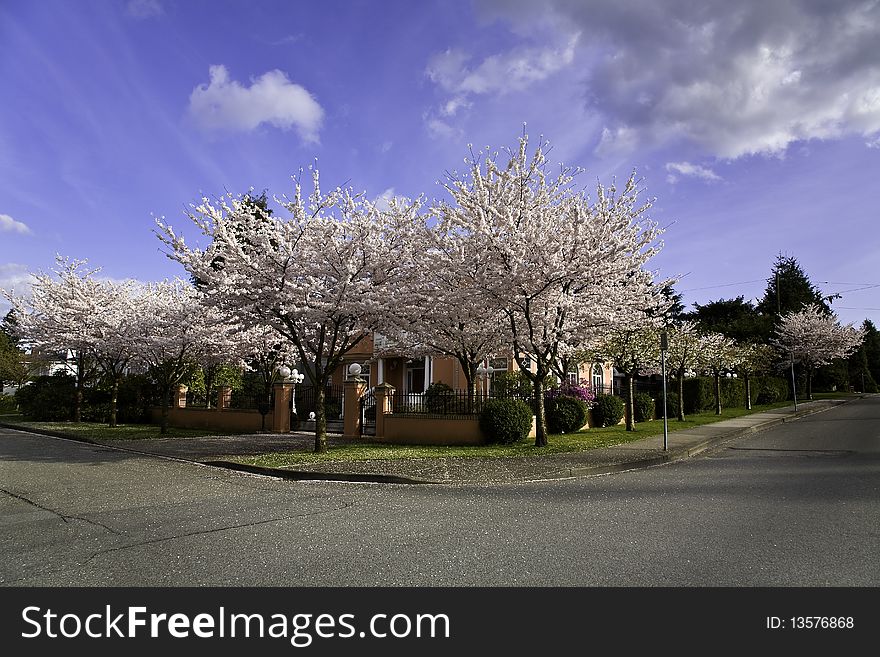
(305, 475)
(677, 454)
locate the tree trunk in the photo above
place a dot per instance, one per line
(80, 384)
(748, 393)
(681, 397)
(717, 393)
(320, 419)
(540, 417)
(810, 382)
(630, 403)
(166, 403)
(114, 396)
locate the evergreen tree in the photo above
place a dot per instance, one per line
(789, 290)
(864, 364)
(736, 318)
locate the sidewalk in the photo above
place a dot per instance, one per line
(213, 450)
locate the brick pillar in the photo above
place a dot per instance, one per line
(383, 393)
(353, 390)
(180, 397)
(224, 397)
(281, 412)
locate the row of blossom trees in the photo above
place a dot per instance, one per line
(520, 259)
(164, 327)
(811, 337)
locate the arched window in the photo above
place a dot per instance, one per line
(598, 378)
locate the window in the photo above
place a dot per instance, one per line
(598, 378)
(498, 364)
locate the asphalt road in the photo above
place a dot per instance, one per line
(796, 505)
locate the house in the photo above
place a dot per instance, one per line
(413, 375)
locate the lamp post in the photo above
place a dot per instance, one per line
(664, 346)
(485, 373)
(296, 377)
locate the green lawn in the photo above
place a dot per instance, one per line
(558, 443)
(98, 432)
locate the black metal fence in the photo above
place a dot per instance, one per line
(458, 403)
(447, 404)
(305, 401)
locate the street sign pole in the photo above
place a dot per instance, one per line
(664, 345)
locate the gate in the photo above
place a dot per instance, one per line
(367, 409)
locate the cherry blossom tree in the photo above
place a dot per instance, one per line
(718, 355)
(321, 277)
(753, 359)
(59, 317)
(176, 330)
(633, 351)
(555, 265)
(114, 332)
(683, 356)
(442, 310)
(813, 337)
(264, 351)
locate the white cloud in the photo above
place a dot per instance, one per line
(440, 129)
(144, 8)
(677, 169)
(10, 225)
(621, 139)
(383, 201)
(226, 104)
(512, 71)
(451, 107)
(733, 78)
(14, 278)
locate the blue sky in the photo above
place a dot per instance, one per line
(755, 125)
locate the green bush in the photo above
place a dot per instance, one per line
(565, 414)
(770, 389)
(607, 410)
(439, 398)
(733, 393)
(699, 394)
(512, 384)
(505, 421)
(671, 405)
(137, 395)
(644, 406)
(7, 404)
(47, 398)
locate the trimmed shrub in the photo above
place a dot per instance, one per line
(644, 406)
(512, 384)
(7, 404)
(607, 410)
(699, 394)
(439, 398)
(770, 389)
(505, 421)
(137, 395)
(565, 414)
(47, 398)
(671, 405)
(733, 393)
